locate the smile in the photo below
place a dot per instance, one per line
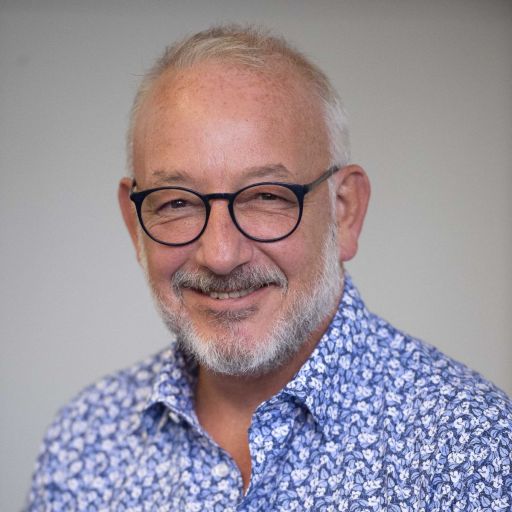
(236, 294)
(230, 294)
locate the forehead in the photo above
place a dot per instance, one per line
(218, 114)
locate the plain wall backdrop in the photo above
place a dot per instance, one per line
(428, 87)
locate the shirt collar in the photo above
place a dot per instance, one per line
(325, 380)
(172, 391)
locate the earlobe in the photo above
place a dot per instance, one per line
(352, 197)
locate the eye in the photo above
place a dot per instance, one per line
(267, 196)
(171, 202)
(277, 196)
(176, 203)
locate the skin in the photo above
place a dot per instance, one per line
(216, 128)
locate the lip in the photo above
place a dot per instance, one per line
(203, 299)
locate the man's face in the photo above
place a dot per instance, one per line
(214, 128)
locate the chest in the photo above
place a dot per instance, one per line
(294, 467)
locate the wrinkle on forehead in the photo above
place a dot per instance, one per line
(211, 88)
(178, 177)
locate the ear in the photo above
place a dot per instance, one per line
(128, 210)
(352, 197)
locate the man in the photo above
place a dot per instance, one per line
(281, 392)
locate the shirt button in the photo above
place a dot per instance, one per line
(220, 470)
(174, 417)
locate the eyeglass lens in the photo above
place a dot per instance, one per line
(264, 212)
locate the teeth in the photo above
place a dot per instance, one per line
(231, 295)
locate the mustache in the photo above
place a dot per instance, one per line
(239, 279)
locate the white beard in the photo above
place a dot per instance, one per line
(229, 353)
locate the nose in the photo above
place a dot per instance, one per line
(222, 247)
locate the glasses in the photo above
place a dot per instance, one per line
(264, 212)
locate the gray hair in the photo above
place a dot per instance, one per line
(249, 47)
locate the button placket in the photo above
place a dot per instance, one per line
(269, 435)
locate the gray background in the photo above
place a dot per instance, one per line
(428, 86)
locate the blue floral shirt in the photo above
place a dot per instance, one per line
(374, 420)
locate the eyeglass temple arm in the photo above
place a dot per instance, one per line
(310, 186)
(326, 175)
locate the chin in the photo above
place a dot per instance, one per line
(236, 353)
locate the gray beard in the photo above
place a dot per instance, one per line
(228, 353)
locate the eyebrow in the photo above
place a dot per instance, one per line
(174, 177)
(268, 171)
(261, 172)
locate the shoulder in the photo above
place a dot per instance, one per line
(448, 428)
(114, 397)
(101, 416)
(421, 375)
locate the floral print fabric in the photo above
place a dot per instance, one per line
(374, 420)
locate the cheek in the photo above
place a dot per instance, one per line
(302, 258)
(298, 257)
(163, 262)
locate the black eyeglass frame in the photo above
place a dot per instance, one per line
(300, 192)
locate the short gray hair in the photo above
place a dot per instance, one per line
(249, 47)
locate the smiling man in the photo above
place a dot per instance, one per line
(280, 390)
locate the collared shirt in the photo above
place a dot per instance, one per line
(374, 420)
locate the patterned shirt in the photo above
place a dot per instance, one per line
(374, 420)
